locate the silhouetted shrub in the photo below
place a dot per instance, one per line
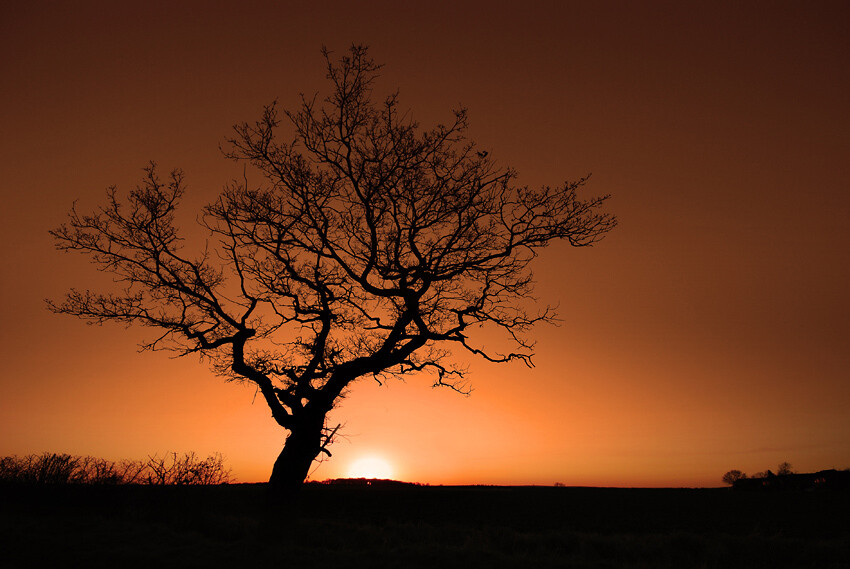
(47, 468)
(54, 468)
(186, 469)
(10, 468)
(132, 471)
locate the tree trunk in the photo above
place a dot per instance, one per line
(293, 463)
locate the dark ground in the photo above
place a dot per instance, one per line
(409, 527)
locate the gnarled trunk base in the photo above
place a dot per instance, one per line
(293, 463)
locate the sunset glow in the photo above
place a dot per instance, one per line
(708, 331)
(370, 467)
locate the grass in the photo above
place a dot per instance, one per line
(411, 527)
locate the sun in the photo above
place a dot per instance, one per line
(370, 467)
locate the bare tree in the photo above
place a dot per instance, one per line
(374, 248)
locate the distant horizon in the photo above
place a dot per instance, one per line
(222, 461)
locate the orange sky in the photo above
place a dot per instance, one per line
(709, 331)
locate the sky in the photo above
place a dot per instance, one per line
(708, 331)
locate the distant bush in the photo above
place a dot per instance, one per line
(53, 468)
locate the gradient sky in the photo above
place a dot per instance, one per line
(708, 332)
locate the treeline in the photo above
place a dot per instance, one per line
(169, 469)
(786, 479)
(733, 476)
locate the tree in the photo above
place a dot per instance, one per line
(733, 476)
(784, 469)
(373, 248)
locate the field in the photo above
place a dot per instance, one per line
(420, 526)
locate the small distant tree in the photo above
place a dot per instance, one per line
(733, 476)
(371, 250)
(784, 469)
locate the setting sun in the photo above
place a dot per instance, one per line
(370, 467)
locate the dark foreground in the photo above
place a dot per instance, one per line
(409, 527)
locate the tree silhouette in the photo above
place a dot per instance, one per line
(733, 476)
(372, 249)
